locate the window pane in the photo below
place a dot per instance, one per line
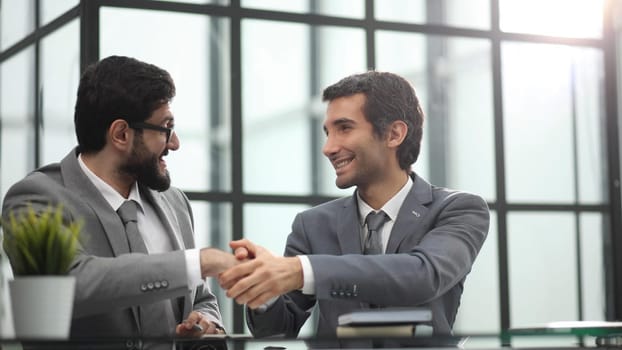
(568, 18)
(479, 307)
(460, 13)
(17, 110)
(212, 228)
(275, 107)
(60, 75)
(452, 77)
(341, 8)
(201, 106)
(282, 113)
(51, 9)
(592, 266)
(542, 263)
(541, 121)
(17, 20)
(587, 86)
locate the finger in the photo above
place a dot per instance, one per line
(210, 328)
(239, 288)
(192, 323)
(244, 243)
(229, 277)
(194, 318)
(247, 289)
(255, 297)
(241, 253)
(182, 331)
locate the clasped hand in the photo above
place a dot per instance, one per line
(260, 276)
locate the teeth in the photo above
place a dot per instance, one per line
(341, 163)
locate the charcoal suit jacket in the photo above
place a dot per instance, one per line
(434, 241)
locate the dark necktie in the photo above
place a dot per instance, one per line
(373, 241)
(129, 213)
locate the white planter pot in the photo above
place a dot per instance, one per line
(42, 306)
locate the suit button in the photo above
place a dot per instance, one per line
(341, 293)
(143, 287)
(333, 293)
(157, 284)
(150, 285)
(348, 294)
(164, 284)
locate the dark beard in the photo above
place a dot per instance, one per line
(144, 168)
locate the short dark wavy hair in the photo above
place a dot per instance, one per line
(389, 97)
(114, 88)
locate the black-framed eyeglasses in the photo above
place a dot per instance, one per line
(141, 125)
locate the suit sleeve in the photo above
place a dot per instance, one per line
(284, 318)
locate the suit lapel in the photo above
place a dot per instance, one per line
(348, 230)
(76, 181)
(411, 215)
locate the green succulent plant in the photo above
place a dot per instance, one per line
(40, 243)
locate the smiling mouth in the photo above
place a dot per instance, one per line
(342, 163)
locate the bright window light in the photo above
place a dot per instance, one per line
(565, 18)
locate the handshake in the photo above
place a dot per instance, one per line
(251, 275)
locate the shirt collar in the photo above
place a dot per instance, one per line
(114, 198)
(391, 207)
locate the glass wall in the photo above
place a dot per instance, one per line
(17, 20)
(17, 108)
(515, 104)
(58, 84)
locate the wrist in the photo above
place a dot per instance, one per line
(297, 273)
(204, 257)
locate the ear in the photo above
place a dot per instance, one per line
(120, 136)
(396, 133)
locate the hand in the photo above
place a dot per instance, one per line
(256, 281)
(188, 327)
(215, 261)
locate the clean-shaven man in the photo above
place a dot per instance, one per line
(416, 250)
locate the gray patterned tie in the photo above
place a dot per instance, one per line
(373, 241)
(129, 213)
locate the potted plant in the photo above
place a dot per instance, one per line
(41, 247)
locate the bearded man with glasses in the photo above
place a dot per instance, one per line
(138, 273)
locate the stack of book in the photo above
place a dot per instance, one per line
(382, 322)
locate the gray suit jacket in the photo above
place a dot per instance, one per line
(110, 282)
(433, 244)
